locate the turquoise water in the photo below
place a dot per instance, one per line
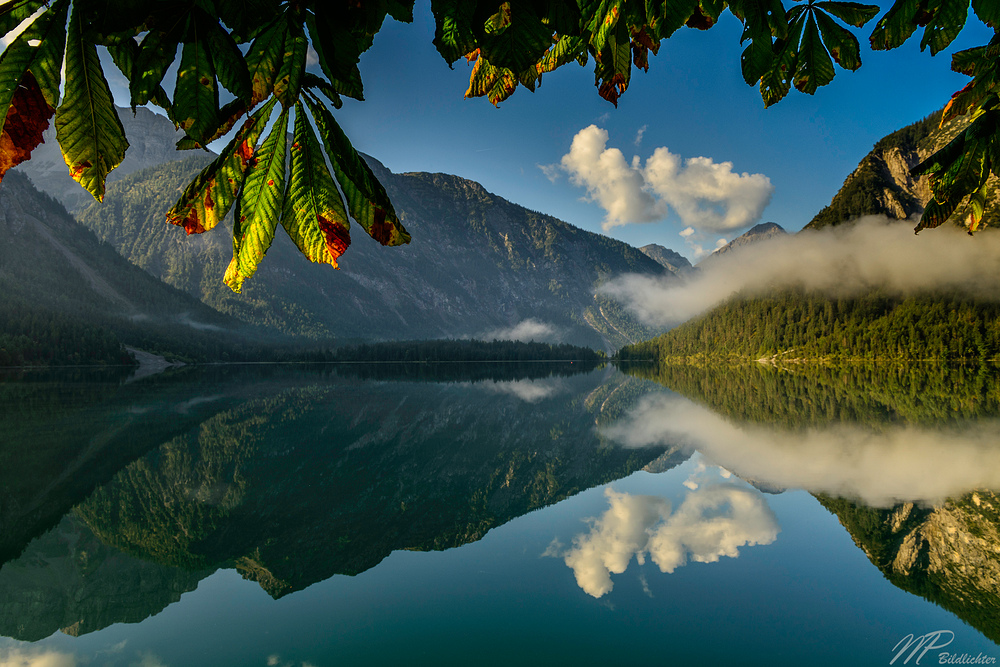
(551, 520)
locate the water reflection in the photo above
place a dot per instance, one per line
(292, 478)
(880, 467)
(714, 520)
(906, 458)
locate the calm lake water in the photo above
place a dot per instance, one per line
(530, 514)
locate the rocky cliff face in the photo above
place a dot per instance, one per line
(756, 234)
(882, 184)
(672, 261)
(947, 554)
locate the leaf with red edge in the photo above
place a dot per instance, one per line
(27, 118)
(259, 206)
(313, 213)
(366, 198)
(208, 198)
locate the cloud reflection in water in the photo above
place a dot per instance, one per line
(879, 467)
(712, 521)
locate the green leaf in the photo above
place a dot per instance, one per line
(13, 13)
(288, 81)
(196, 97)
(156, 53)
(777, 81)
(208, 198)
(935, 215)
(988, 12)
(965, 175)
(48, 60)
(815, 68)
(259, 207)
(48, 32)
(762, 19)
(400, 10)
(338, 49)
(229, 115)
(124, 55)
(896, 26)
(941, 158)
(566, 50)
(264, 58)
(313, 212)
(977, 208)
(851, 13)
(948, 21)
(667, 16)
(246, 17)
(482, 78)
(841, 43)
(89, 132)
(323, 86)
(367, 200)
(756, 60)
(230, 66)
(521, 43)
(976, 61)
(454, 36)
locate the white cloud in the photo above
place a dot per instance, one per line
(529, 391)
(620, 534)
(712, 521)
(686, 232)
(312, 58)
(616, 185)
(638, 135)
(720, 243)
(526, 331)
(551, 171)
(705, 195)
(708, 195)
(30, 658)
(880, 468)
(839, 261)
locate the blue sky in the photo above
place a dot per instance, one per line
(693, 102)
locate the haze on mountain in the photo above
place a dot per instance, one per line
(863, 242)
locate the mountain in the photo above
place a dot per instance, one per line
(151, 140)
(790, 326)
(478, 266)
(65, 581)
(288, 474)
(672, 261)
(946, 554)
(793, 325)
(756, 234)
(66, 297)
(882, 184)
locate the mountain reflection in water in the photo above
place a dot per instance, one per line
(121, 503)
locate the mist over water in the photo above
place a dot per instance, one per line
(844, 261)
(880, 467)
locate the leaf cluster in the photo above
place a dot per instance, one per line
(254, 49)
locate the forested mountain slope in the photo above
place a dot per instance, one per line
(784, 323)
(478, 266)
(65, 297)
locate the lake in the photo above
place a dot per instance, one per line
(427, 514)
